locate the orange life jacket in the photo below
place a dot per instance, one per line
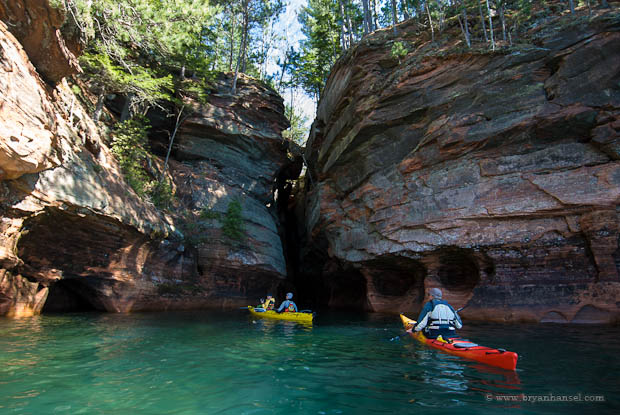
(290, 308)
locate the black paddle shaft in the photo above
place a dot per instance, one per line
(462, 308)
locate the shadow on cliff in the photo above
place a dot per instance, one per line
(93, 262)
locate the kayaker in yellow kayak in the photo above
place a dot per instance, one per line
(287, 305)
(269, 303)
(438, 317)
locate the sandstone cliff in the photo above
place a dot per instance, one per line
(73, 233)
(37, 26)
(231, 151)
(495, 176)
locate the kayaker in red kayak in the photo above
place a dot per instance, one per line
(438, 317)
(288, 305)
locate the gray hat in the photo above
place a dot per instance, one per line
(435, 293)
(289, 296)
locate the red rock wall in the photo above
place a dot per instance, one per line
(37, 27)
(75, 236)
(231, 149)
(60, 187)
(495, 176)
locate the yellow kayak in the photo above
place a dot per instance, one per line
(299, 317)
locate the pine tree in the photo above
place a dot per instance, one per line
(321, 47)
(133, 45)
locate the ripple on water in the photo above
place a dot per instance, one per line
(215, 363)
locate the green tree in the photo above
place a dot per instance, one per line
(133, 45)
(133, 48)
(297, 131)
(254, 14)
(321, 48)
(233, 223)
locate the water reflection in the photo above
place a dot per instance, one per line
(490, 376)
(272, 326)
(188, 363)
(465, 382)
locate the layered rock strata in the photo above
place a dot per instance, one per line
(75, 236)
(37, 26)
(229, 152)
(58, 179)
(494, 176)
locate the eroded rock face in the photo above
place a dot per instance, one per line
(231, 151)
(493, 176)
(37, 27)
(75, 236)
(61, 174)
(27, 121)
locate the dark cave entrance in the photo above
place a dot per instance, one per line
(395, 277)
(346, 286)
(66, 296)
(459, 270)
(395, 282)
(344, 290)
(71, 254)
(327, 284)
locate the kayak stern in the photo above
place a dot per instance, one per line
(493, 357)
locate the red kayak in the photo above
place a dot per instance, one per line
(466, 349)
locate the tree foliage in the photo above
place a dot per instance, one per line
(233, 223)
(321, 47)
(331, 27)
(133, 44)
(130, 148)
(297, 131)
(157, 53)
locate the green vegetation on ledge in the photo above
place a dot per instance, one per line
(129, 146)
(232, 224)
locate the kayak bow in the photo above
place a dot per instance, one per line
(299, 317)
(465, 349)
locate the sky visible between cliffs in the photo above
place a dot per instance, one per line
(289, 27)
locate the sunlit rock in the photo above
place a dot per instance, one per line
(75, 236)
(494, 176)
(36, 24)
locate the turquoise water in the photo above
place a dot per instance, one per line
(217, 363)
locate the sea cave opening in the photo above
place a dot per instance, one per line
(67, 296)
(459, 270)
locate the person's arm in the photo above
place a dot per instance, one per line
(458, 323)
(294, 306)
(284, 304)
(423, 317)
(457, 319)
(420, 326)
